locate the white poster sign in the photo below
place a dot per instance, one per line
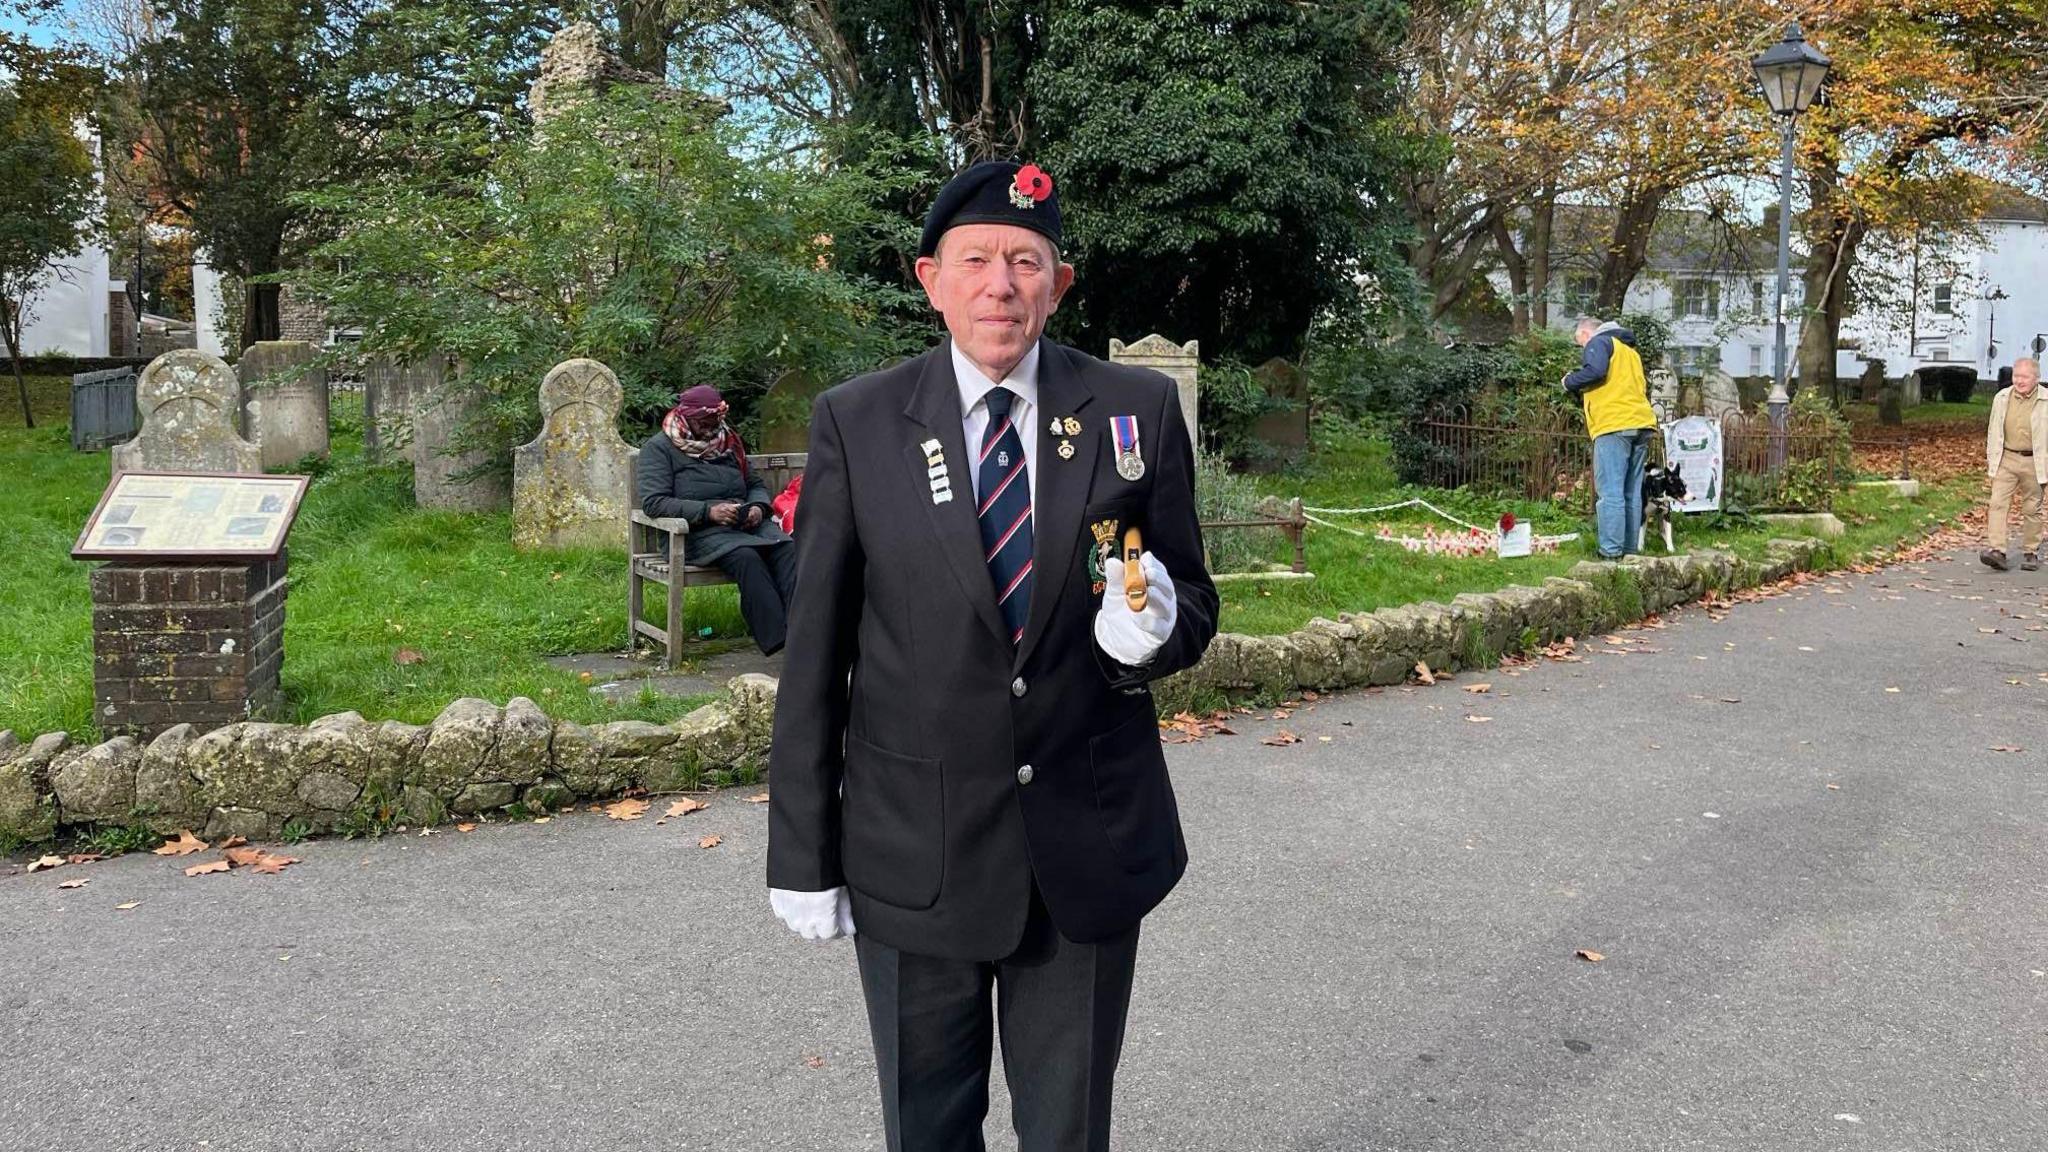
(1693, 444)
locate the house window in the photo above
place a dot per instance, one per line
(1937, 353)
(1580, 290)
(1756, 359)
(1698, 359)
(1699, 298)
(1944, 300)
(1756, 297)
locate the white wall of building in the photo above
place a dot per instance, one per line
(207, 322)
(66, 310)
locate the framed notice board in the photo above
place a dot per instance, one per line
(191, 516)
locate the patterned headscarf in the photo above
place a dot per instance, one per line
(697, 427)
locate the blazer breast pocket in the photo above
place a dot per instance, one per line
(1103, 524)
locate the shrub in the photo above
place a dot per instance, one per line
(1221, 494)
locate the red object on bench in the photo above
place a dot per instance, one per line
(784, 504)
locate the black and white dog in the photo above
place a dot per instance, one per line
(1661, 486)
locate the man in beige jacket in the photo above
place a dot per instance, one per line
(2016, 454)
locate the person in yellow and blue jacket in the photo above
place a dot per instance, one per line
(1610, 384)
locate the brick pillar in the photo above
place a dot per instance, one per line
(177, 643)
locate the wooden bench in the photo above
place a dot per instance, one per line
(655, 556)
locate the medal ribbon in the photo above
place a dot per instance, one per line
(1124, 429)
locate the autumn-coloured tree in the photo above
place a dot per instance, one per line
(1924, 96)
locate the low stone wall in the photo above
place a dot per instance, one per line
(250, 779)
(1476, 628)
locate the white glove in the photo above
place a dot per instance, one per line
(1133, 638)
(814, 915)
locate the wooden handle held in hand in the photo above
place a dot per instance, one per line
(1134, 570)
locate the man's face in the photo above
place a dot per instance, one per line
(1581, 334)
(2024, 377)
(996, 285)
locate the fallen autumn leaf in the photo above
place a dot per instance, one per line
(209, 867)
(1423, 673)
(183, 844)
(758, 798)
(42, 862)
(1589, 954)
(685, 806)
(626, 809)
(711, 841)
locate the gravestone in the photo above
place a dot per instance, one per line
(1871, 382)
(284, 401)
(389, 387)
(786, 412)
(572, 483)
(188, 400)
(1665, 393)
(1283, 429)
(1180, 363)
(1719, 392)
(445, 476)
(1909, 390)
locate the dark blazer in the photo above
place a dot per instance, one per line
(905, 715)
(672, 484)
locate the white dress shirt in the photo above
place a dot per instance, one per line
(974, 390)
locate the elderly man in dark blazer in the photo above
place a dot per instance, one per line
(967, 766)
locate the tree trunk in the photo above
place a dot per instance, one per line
(1542, 221)
(8, 319)
(643, 35)
(1628, 249)
(1518, 275)
(1832, 242)
(259, 314)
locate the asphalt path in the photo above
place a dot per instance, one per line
(1821, 899)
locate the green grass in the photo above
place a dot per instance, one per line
(1976, 410)
(370, 573)
(1361, 575)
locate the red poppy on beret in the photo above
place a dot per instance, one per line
(1033, 182)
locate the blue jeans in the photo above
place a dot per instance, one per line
(1618, 461)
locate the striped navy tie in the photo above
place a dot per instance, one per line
(1005, 513)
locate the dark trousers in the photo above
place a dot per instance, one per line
(767, 578)
(1059, 1007)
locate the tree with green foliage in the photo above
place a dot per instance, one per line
(1225, 166)
(46, 198)
(631, 229)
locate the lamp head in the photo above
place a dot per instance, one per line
(1790, 72)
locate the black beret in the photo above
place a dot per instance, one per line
(990, 193)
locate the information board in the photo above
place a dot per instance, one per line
(1694, 444)
(191, 516)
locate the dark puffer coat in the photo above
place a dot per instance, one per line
(672, 484)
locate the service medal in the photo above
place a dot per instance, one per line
(1066, 449)
(1130, 464)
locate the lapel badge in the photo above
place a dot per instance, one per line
(1055, 429)
(1071, 426)
(935, 471)
(1066, 449)
(1130, 464)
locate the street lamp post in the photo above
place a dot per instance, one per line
(1790, 72)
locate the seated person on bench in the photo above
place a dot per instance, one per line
(695, 469)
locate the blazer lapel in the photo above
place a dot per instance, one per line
(936, 406)
(1061, 494)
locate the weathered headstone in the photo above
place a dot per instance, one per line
(1910, 391)
(389, 387)
(1871, 382)
(284, 401)
(572, 483)
(1283, 430)
(786, 412)
(1180, 363)
(188, 400)
(1665, 392)
(447, 473)
(1719, 392)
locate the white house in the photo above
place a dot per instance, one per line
(1975, 297)
(1979, 300)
